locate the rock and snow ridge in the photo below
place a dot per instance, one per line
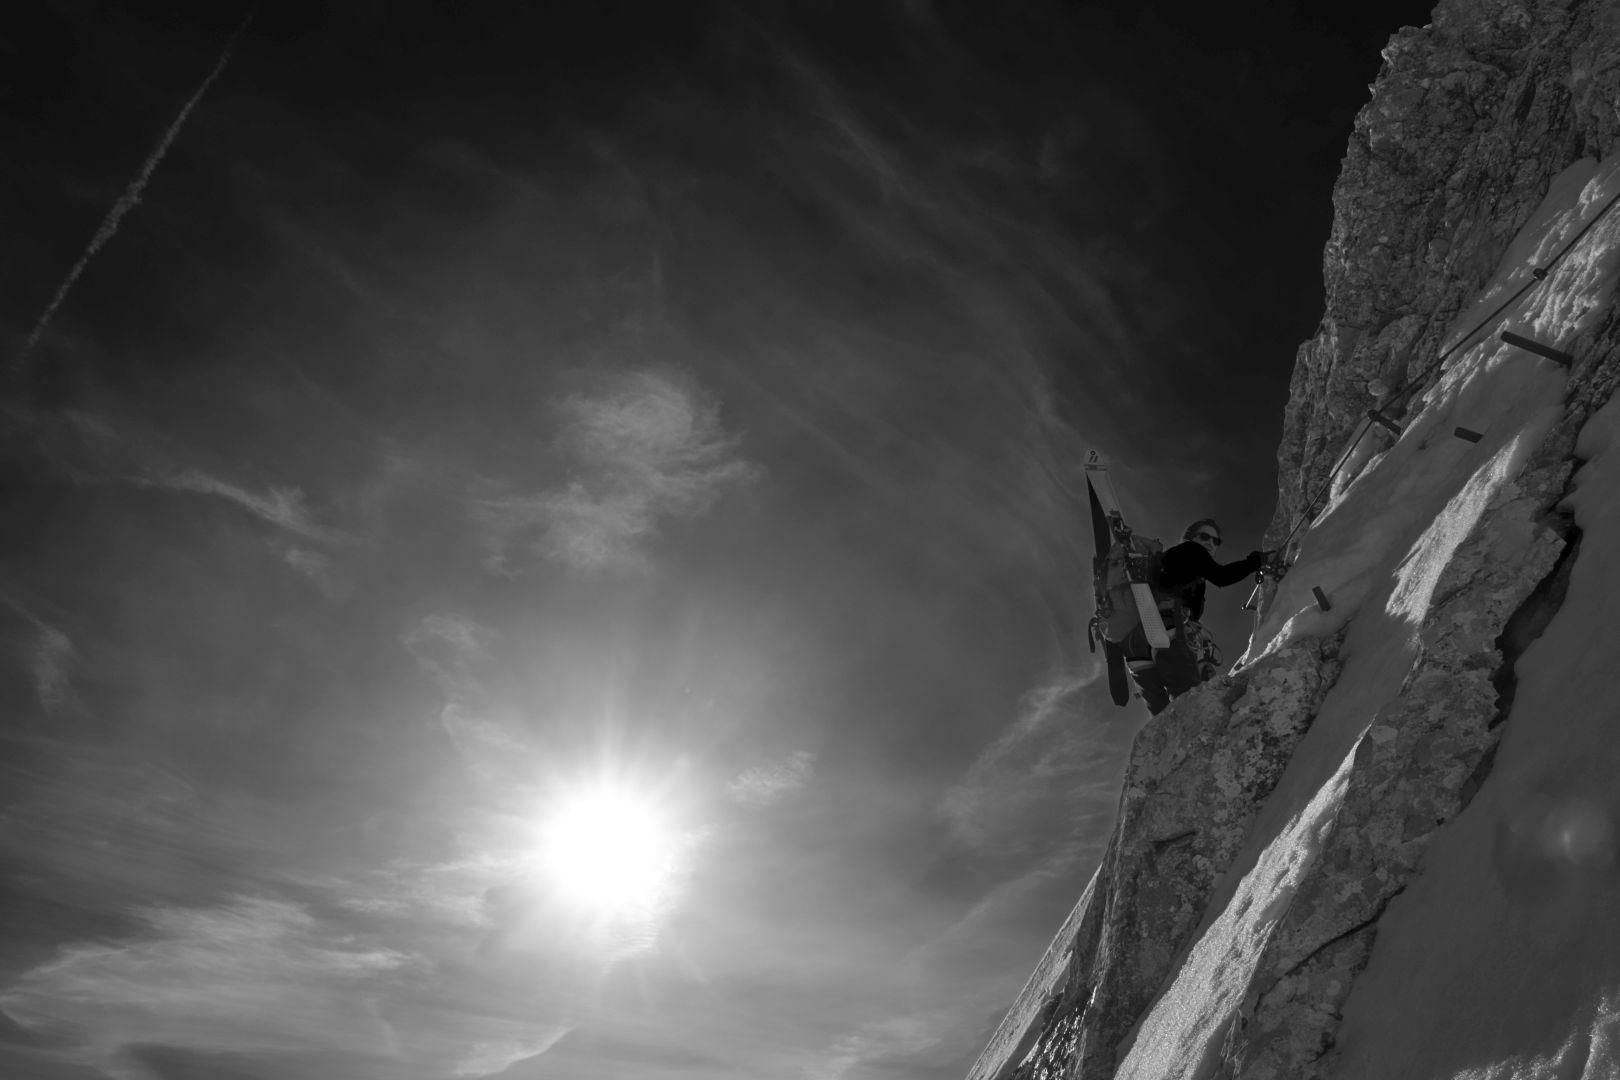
(1388, 844)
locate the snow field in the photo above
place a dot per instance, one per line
(1502, 961)
(1379, 550)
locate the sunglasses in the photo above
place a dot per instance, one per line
(1208, 536)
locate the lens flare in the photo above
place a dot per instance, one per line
(609, 850)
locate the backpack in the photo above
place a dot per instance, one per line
(1116, 606)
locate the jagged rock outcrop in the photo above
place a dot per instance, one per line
(1470, 118)
(1421, 761)
(1192, 787)
(1470, 121)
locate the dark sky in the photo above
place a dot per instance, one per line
(685, 400)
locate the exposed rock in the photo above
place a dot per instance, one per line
(1411, 776)
(1470, 118)
(1198, 774)
(1469, 121)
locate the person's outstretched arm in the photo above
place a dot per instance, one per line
(1189, 561)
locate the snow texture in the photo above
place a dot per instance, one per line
(1501, 960)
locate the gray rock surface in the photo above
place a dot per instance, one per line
(1469, 120)
(1423, 757)
(1198, 774)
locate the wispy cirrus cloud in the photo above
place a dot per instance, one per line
(969, 210)
(253, 974)
(97, 447)
(314, 565)
(47, 653)
(494, 1056)
(281, 506)
(292, 972)
(763, 785)
(894, 1039)
(1039, 765)
(451, 648)
(446, 645)
(267, 980)
(647, 447)
(50, 659)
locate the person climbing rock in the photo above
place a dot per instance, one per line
(1193, 657)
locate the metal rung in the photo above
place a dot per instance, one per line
(1379, 418)
(1538, 348)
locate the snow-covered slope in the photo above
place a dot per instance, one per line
(1388, 844)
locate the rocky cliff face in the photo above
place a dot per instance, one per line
(1472, 122)
(1470, 119)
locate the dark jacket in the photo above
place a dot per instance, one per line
(1185, 567)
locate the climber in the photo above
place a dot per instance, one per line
(1192, 657)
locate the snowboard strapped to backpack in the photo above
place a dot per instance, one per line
(1126, 569)
(1131, 558)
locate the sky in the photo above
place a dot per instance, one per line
(459, 412)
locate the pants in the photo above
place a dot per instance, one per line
(1161, 674)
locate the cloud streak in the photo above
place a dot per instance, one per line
(50, 660)
(764, 785)
(890, 1041)
(282, 507)
(648, 447)
(264, 979)
(49, 656)
(1036, 764)
(451, 648)
(252, 975)
(131, 196)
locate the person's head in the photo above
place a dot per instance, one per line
(1206, 532)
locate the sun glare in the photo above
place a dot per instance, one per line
(609, 850)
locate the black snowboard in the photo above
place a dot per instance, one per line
(1119, 680)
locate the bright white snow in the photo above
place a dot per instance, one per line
(1503, 959)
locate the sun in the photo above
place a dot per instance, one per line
(608, 850)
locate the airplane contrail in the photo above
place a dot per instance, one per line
(131, 196)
